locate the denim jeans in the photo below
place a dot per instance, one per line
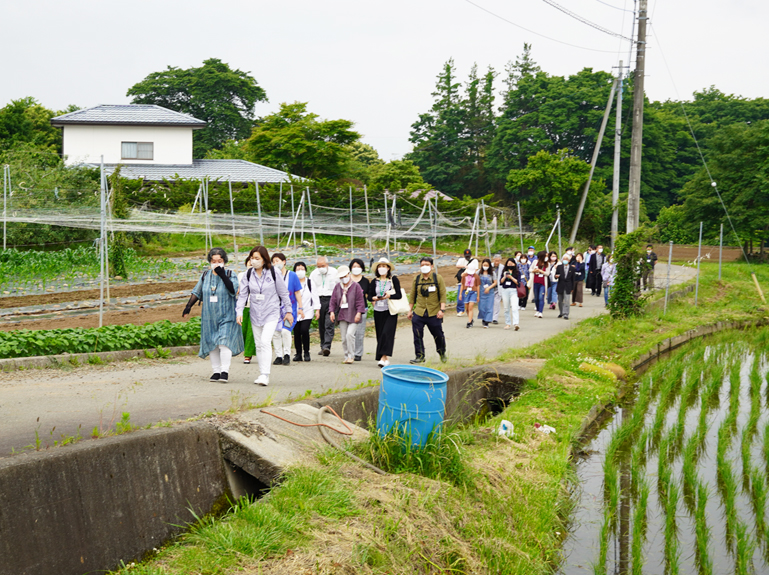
(606, 292)
(460, 301)
(539, 297)
(552, 297)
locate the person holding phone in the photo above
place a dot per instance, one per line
(220, 336)
(508, 285)
(347, 307)
(267, 297)
(383, 287)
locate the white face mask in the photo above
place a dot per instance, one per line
(301, 273)
(356, 271)
(531, 253)
(256, 263)
(600, 250)
(383, 271)
(279, 265)
(648, 251)
(323, 271)
(346, 279)
(485, 267)
(214, 266)
(425, 269)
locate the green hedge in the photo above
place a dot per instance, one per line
(27, 343)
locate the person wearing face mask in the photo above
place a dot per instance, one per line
(427, 305)
(324, 279)
(220, 336)
(347, 307)
(264, 290)
(462, 264)
(552, 295)
(486, 293)
(310, 307)
(384, 286)
(608, 275)
(648, 271)
(470, 289)
(249, 346)
(508, 285)
(523, 266)
(281, 340)
(497, 267)
(531, 254)
(565, 274)
(588, 256)
(357, 269)
(579, 280)
(539, 269)
(594, 271)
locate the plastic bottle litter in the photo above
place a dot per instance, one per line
(546, 429)
(505, 429)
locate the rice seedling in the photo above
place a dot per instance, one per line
(758, 499)
(664, 472)
(607, 529)
(745, 547)
(690, 478)
(766, 448)
(639, 527)
(672, 553)
(702, 532)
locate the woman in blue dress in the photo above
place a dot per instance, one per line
(221, 337)
(486, 302)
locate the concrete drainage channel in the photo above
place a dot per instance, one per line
(86, 507)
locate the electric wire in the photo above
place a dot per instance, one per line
(535, 33)
(585, 20)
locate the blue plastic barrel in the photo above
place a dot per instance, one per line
(413, 398)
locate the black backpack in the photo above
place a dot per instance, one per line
(435, 282)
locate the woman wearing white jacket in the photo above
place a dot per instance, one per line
(311, 308)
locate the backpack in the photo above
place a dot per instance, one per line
(435, 281)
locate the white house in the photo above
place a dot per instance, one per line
(151, 143)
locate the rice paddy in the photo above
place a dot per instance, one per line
(677, 481)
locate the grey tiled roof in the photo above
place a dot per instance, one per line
(128, 114)
(235, 170)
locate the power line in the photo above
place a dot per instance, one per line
(586, 21)
(533, 32)
(613, 6)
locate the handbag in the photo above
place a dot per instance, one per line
(397, 306)
(521, 290)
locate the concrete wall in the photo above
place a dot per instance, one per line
(84, 508)
(84, 144)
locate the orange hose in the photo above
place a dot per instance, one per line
(315, 424)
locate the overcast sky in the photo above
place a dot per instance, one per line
(374, 63)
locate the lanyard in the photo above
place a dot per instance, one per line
(382, 287)
(260, 284)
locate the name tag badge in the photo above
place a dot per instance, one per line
(431, 288)
(259, 296)
(344, 305)
(213, 299)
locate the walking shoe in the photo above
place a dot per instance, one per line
(306, 356)
(286, 360)
(580, 305)
(246, 360)
(278, 361)
(552, 306)
(385, 363)
(485, 324)
(347, 360)
(320, 352)
(223, 377)
(262, 380)
(566, 317)
(380, 363)
(574, 304)
(470, 324)
(326, 352)
(417, 360)
(560, 315)
(214, 377)
(507, 326)
(460, 313)
(495, 322)
(297, 357)
(358, 358)
(517, 327)
(444, 357)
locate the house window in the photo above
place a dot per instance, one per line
(136, 150)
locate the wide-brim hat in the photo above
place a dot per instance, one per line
(342, 271)
(385, 261)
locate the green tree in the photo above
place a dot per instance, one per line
(524, 65)
(297, 141)
(216, 93)
(558, 179)
(26, 122)
(396, 175)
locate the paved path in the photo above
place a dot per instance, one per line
(56, 402)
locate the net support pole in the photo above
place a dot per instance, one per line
(472, 230)
(720, 250)
(387, 222)
(699, 256)
(6, 182)
(758, 287)
(667, 283)
(232, 214)
(280, 210)
(209, 239)
(520, 225)
(292, 211)
(560, 249)
(368, 221)
(101, 242)
(352, 247)
(486, 225)
(293, 224)
(434, 214)
(312, 222)
(259, 214)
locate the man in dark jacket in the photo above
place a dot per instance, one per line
(594, 271)
(565, 273)
(648, 272)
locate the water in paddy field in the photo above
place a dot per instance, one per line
(677, 480)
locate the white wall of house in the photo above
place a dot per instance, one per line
(86, 143)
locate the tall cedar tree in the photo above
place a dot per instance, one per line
(216, 93)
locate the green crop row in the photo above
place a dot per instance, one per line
(26, 343)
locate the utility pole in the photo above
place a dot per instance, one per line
(634, 189)
(617, 146)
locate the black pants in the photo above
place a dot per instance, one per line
(435, 326)
(325, 325)
(302, 336)
(385, 325)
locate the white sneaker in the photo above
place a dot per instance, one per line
(385, 363)
(262, 380)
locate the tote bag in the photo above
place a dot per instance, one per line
(521, 290)
(397, 306)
